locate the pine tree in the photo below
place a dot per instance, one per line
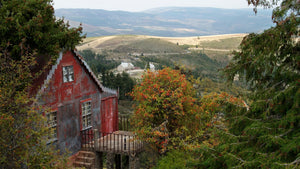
(27, 29)
(268, 134)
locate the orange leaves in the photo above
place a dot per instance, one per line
(164, 95)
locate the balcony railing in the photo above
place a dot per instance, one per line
(118, 142)
(87, 139)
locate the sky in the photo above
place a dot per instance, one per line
(141, 5)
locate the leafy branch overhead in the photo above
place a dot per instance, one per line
(28, 31)
(30, 26)
(268, 134)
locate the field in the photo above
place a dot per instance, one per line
(216, 47)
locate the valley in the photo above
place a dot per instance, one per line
(128, 47)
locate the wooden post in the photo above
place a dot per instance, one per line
(118, 161)
(99, 160)
(110, 161)
(134, 161)
(96, 139)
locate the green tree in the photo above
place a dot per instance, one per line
(267, 135)
(28, 29)
(127, 86)
(30, 26)
(98, 62)
(123, 82)
(22, 129)
(210, 113)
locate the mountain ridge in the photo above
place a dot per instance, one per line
(168, 21)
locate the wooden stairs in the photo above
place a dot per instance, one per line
(85, 159)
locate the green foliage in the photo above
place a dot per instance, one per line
(197, 151)
(175, 159)
(160, 62)
(123, 82)
(205, 86)
(22, 130)
(28, 29)
(100, 65)
(31, 26)
(267, 135)
(98, 62)
(228, 44)
(169, 116)
(199, 63)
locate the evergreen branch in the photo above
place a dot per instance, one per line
(251, 119)
(296, 161)
(274, 117)
(244, 142)
(283, 134)
(239, 136)
(254, 128)
(240, 159)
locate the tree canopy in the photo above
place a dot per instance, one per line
(30, 26)
(165, 106)
(169, 115)
(266, 136)
(28, 29)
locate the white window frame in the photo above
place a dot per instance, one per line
(68, 73)
(52, 126)
(86, 114)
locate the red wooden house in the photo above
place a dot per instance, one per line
(78, 102)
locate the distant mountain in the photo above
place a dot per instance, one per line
(172, 21)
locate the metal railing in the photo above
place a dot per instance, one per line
(87, 139)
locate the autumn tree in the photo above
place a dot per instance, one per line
(165, 107)
(170, 116)
(267, 135)
(27, 29)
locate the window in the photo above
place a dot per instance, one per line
(68, 74)
(86, 115)
(52, 125)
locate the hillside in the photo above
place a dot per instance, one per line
(171, 22)
(126, 47)
(202, 54)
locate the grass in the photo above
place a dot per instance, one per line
(218, 55)
(149, 45)
(228, 44)
(165, 51)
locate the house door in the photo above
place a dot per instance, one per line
(109, 115)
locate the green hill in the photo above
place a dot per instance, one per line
(203, 55)
(151, 45)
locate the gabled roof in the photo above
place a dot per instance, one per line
(49, 72)
(90, 72)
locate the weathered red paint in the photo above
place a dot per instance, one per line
(109, 116)
(66, 98)
(64, 92)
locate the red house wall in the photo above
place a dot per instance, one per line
(66, 98)
(109, 117)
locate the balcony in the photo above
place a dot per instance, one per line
(117, 142)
